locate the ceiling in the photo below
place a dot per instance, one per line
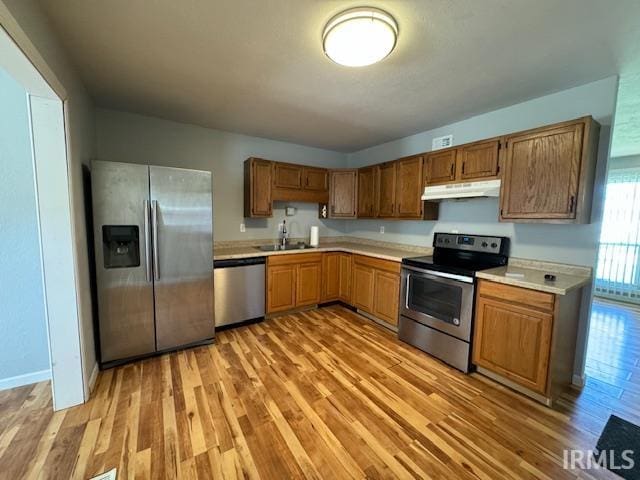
(257, 67)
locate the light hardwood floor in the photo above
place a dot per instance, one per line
(319, 394)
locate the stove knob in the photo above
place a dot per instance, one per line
(485, 244)
(494, 245)
(446, 240)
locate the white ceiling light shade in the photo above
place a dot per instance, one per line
(360, 36)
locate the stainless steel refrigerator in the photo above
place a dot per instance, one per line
(153, 234)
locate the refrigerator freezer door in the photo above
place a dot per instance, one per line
(120, 194)
(183, 256)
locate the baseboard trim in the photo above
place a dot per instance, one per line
(578, 380)
(93, 377)
(26, 379)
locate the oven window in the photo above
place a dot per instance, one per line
(434, 298)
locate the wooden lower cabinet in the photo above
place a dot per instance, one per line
(376, 287)
(330, 276)
(386, 291)
(308, 282)
(336, 277)
(514, 341)
(363, 285)
(526, 338)
(281, 288)
(299, 280)
(344, 282)
(293, 281)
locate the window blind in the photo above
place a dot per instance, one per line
(618, 269)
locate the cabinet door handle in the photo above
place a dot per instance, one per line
(572, 204)
(453, 166)
(463, 167)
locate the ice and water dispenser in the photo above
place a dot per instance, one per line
(121, 246)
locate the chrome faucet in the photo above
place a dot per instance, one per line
(283, 239)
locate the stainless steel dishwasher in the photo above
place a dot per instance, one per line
(239, 287)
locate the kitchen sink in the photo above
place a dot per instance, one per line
(276, 248)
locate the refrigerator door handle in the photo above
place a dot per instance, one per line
(154, 227)
(147, 241)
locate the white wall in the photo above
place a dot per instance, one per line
(24, 349)
(561, 243)
(126, 137)
(29, 27)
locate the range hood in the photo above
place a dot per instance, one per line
(488, 188)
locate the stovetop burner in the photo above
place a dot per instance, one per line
(461, 254)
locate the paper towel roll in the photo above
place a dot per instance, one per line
(313, 236)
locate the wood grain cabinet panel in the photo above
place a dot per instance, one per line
(331, 276)
(257, 188)
(549, 172)
(386, 293)
(479, 160)
(344, 283)
(440, 167)
(363, 287)
(281, 287)
(409, 187)
(315, 178)
(513, 341)
(286, 175)
(387, 190)
(308, 283)
(367, 192)
(343, 193)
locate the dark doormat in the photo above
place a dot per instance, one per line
(620, 445)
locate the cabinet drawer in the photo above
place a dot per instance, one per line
(294, 258)
(525, 296)
(377, 263)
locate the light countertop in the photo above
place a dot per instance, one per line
(383, 252)
(530, 274)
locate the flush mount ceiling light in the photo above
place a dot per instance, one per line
(360, 36)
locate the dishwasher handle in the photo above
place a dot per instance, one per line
(239, 262)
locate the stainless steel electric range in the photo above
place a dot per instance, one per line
(437, 294)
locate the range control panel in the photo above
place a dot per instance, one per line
(474, 243)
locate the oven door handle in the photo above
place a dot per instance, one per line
(431, 273)
(406, 297)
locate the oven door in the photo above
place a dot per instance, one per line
(438, 300)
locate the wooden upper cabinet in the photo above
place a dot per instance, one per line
(478, 160)
(548, 173)
(367, 192)
(257, 187)
(343, 193)
(287, 175)
(409, 187)
(440, 167)
(315, 178)
(387, 190)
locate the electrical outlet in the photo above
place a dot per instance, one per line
(242, 228)
(381, 229)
